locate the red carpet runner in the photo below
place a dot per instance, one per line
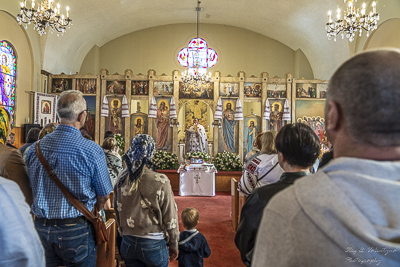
(215, 225)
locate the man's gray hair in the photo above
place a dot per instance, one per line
(70, 104)
(367, 91)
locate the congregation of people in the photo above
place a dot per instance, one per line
(346, 213)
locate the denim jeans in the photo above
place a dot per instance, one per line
(70, 245)
(136, 251)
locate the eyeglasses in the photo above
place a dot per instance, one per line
(86, 110)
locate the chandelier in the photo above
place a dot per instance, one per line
(354, 20)
(43, 16)
(197, 57)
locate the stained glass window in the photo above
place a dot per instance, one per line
(197, 57)
(7, 76)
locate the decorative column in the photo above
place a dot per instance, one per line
(151, 73)
(175, 139)
(291, 95)
(264, 96)
(216, 80)
(103, 78)
(241, 76)
(128, 77)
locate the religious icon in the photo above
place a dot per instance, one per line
(46, 107)
(317, 124)
(138, 128)
(140, 88)
(116, 87)
(86, 86)
(162, 123)
(251, 134)
(163, 88)
(115, 118)
(229, 89)
(252, 89)
(228, 126)
(60, 85)
(91, 115)
(275, 119)
(202, 91)
(306, 90)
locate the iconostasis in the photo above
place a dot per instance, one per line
(121, 104)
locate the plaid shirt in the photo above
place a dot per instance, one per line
(80, 165)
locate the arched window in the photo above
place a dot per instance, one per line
(8, 63)
(197, 57)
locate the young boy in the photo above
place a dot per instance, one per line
(193, 246)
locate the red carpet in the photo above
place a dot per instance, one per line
(215, 225)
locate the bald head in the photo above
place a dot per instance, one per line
(366, 89)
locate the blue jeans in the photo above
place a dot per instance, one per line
(136, 251)
(70, 245)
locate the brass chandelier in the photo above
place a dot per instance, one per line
(354, 21)
(44, 14)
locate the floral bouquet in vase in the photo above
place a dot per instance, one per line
(227, 161)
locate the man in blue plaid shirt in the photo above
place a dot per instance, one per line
(80, 164)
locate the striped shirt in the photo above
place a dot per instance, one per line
(80, 165)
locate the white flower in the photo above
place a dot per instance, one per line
(130, 222)
(173, 224)
(161, 178)
(119, 206)
(160, 195)
(126, 190)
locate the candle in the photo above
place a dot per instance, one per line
(33, 4)
(374, 7)
(67, 11)
(338, 14)
(329, 16)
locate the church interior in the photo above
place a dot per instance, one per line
(268, 63)
(132, 56)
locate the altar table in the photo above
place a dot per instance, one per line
(197, 181)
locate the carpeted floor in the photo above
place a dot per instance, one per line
(215, 225)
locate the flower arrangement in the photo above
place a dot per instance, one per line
(198, 154)
(165, 160)
(227, 161)
(120, 143)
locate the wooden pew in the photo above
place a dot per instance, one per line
(242, 200)
(105, 256)
(234, 203)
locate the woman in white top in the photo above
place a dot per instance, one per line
(263, 169)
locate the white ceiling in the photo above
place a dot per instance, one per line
(299, 24)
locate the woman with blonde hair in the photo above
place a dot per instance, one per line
(263, 169)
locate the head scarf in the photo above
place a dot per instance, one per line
(4, 125)
(49, 128)
(138, 155)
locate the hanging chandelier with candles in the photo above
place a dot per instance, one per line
(354, 21)
(42, 15)
(197, 57)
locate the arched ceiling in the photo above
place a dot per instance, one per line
(298, 24)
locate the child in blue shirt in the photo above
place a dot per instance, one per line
(193, 246)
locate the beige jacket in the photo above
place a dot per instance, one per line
(13, 167)
(132, 207)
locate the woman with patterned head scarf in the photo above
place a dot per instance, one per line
(12, 166)
(145, 208)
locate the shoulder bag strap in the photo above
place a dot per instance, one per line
(267, 172)
(74, 201)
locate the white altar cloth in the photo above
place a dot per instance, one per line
(197, 181)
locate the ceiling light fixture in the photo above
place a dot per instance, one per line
(197, 57)
(354, 20)
(45, 15)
